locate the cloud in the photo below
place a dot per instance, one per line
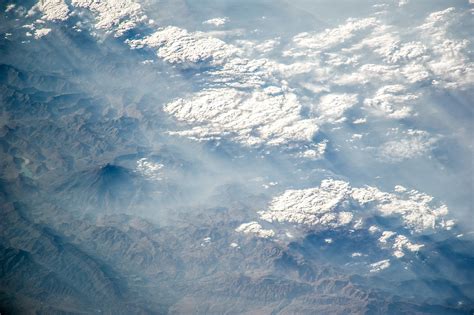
(386, 42)
(150, 169)
(335, 204)
(178, 46)
(380, 265)
(385, 236)
(41, 32)
(255, 228)
(216, 21)
(402, 243)
(10, 7)
(385, 62)
(331, 107)
(51, 10)
(258, 47)
(261, 116)
(244, 73)
(376, 74)
(251, 119)
(412, 144)
(399, 243)
(312, 44)
(237, 94)
(321, 206)
(391, 101)
(415, 209)
(402, 3)
(114, 16)
(452, 66)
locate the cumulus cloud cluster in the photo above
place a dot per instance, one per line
(313, 207)
(255, 101)
(251, 119)
(255, 228)
(385, 67)
(115, 16)
(334, 204)
(178, 46)
(406, 145)
(331, 107)
(238, 107)
(385, 54)
(51, 10)
(261, 116)
(112, 16)
(380, 265)
(451, 64)
(216, 21)
(391, 101)
(149, 169)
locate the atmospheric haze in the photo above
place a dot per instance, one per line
(236, 157)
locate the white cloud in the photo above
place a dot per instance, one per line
(335, 204)
(240, 94)
(373, 229)
(178, 46)
(150, 169)
(452, 65)
(380, 265)
(415, 72)
(257, 47)
(400, 189)
(246, 73)
(416, 209)
(403, 52)
(255, 228)
(250, 119)
(398, 243)
(52, 10)
(114, 16)
(267, 45)
(251, 101)
(385, 236)
(331, 107)
(313, 207)
(386, 42)
(41, 32)
(412, 144)
(391, 101)
(402, 243)
(216, 21)
(10, 7)
(359, 121)
(315, 151)
(383, 61)
(376, 74)
(402, 3)
(312, 44)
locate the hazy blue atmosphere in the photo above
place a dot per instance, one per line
(236, 157)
